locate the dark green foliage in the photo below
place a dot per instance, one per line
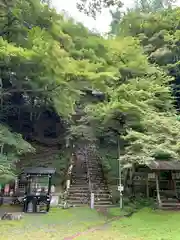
(50, 63)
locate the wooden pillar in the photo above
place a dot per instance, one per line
(49, 184)
(157, 189)
(174, 184)
(131, 176)
(16, 183)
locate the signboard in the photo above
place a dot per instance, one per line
(121, 188)
(151, 176)
(176, 175)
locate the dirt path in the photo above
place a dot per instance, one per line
(93, 229)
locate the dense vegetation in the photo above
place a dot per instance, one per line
(51, 64)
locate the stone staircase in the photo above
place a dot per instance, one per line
(87, 176)
(170, 204)
(98, 183)
(78, 193)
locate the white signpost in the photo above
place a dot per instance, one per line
(92, 200)
(121, 188)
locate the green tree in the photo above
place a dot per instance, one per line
(92, 7)
(153, 5)
(140, 108)
(50, 62)
(46, 61)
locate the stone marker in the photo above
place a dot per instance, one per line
(54, 201)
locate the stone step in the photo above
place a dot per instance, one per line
(78, 176)
(98, 186)
(100, 203)
(97, 180)
(81, 185)
(79, 173)
(79, 189)
(78, 204)
(96, 206)
(102, 195)
(95, 173)
(82, 182)
(97, 183)
(90, 167)
(100, 189)
(78, 194)
(75, 190)
(102, 192)
(78, 201)
(94, 167)
(79, 180)
(100, 199)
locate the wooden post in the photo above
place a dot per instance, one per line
(157, 188)
(131, 175)
(147, 186)
(174, 183)
(16, 184)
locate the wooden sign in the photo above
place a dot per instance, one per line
(151, 176)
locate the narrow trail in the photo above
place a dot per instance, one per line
(93, 229)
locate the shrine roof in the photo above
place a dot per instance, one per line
(164, 165)
(39, 170)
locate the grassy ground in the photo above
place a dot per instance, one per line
(60, 224)
(57, 224)
(144, 225)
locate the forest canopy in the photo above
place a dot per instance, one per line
(49, 61)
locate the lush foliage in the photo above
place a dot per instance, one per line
(157, 33)
(92, 7)
(45, 63)
(51, 62)
(12, 146)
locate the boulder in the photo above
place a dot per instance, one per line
(12, 216)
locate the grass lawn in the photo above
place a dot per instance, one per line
(57, 224)
(60, 224)
(145, 225)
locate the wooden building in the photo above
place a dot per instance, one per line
(159, 180)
